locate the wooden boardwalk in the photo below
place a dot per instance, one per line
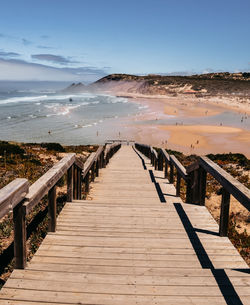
(132, 242)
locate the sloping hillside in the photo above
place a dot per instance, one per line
(236, 84)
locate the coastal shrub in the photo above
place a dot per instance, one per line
(246, 74)
(179, 155)
(239, 159)
(53, 146)
(35, 161)
(7, 148)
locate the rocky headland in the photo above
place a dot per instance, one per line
(234, 87)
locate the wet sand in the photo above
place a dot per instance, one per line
(190, 138)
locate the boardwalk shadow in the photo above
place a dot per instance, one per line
(230, 295)
(142, 159)
(206, 231)
(157, 186)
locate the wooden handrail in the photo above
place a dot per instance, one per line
(195, 177)
(12, 194)
(41, 187)
(22, 199)
(88, 164)
(11, 197)
(179, 167)
(165, 154)
(233, 186)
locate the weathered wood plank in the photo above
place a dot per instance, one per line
(99, 299)
(114, 289)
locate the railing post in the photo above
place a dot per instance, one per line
(97, 168)
(79, 183)
(189, 190)
(156, 163)
(160, 162)
(74, 182)
(93, 172)
(171, 178)
(70, 184)
(166, 169)
(86, 182)
(20, 252)
(52, 209)
(178, 185)
(224, 212)
(202, 185)
(195, 187)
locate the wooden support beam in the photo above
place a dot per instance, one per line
(75, 182)
(178, 185)
(224, 212)
(79, 183)
(52, 209)
(166, 169)
(20, 252)
(97, 168)
(93, 172)
(202, 185)
(189, 189)
(86, 182)
(171, 178)
(70, 184)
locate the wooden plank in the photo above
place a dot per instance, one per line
(105, 299)
(88, 250)
(205, 280)
(124, 270)
(117, 262)
(12, 194)
(115, 289)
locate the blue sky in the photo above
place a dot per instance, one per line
(84, 40)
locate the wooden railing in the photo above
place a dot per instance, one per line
(195, 177)
(22, 199)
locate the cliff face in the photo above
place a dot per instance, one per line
(200, 85)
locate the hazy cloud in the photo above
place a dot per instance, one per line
(44, 36)
(45, 47)
(8, 54)
(20, 70)
(177, 73)
(58, 59)
(87, 71)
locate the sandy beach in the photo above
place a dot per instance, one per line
(193, 126)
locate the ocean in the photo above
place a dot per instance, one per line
(70, 119)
